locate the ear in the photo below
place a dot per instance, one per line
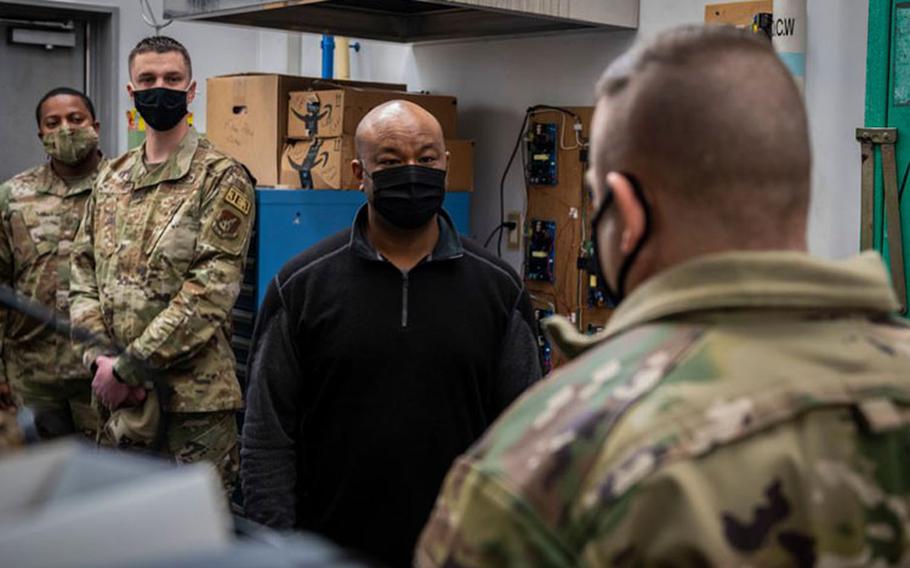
(448, 154)
(129, 89)
(97, 126)
(191, 92)
(357, 168)
(629, 209)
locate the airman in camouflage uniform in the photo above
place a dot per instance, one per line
(744, 407)
(701, 431)
(157, 267)
(40, 210)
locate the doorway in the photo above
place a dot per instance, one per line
(44, 45)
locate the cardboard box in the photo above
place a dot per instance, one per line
(461, 165)
(247, 116)
(325, 163)
(338, 112)
(322, 163)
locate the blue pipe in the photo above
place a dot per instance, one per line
(328, 56)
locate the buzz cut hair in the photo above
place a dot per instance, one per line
(707, 108)
(161, 44)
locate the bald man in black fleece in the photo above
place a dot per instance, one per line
(381, 354)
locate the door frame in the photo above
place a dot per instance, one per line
(102, 44)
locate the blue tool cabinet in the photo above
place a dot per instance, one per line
(290, 221)
(287, 223)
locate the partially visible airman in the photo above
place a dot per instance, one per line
(747, 404)
(40, 211)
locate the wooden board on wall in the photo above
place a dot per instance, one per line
(736, 13)
(569, 206)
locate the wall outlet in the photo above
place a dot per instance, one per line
(514, 241)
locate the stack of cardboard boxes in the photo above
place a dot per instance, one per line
(298, 132)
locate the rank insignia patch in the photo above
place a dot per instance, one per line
(238, 200)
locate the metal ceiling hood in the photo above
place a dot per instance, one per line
(413, 20)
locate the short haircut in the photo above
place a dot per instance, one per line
(64, 91)
(706, 110)
(160, 44)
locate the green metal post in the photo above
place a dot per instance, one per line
(878, 57)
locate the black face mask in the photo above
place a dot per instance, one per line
(408, 196)
(614, 297)
(161, 108)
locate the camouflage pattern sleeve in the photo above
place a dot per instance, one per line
(85, 304)
(211, 286)
(477, 521)
(6, 268)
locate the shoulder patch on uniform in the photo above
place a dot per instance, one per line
(238, 200)
(227, 224)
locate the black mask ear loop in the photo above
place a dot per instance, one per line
(616, 296)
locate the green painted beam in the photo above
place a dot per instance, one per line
(877, 62)
(878, 58)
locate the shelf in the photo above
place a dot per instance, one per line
(411, 21)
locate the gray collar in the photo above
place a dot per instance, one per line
(743, 280)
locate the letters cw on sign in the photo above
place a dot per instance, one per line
(784, 26)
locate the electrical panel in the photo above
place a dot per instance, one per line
(541, 259)
(546, 352)
(559, 270)
(596, 296)
(543, 147)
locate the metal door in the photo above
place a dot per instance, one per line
(887, 159)
(27, 72)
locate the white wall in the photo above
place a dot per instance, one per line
(222, 49)
(835, 95)
(215, 50)
(495, 80)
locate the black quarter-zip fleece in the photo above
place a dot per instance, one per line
(367, 382)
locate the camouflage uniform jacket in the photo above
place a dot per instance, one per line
(747, 409)
(39, 215)
(157, 267)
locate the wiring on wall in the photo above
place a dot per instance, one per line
(505, 173)
(148, 16)
(576, 127)
(510, 225)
